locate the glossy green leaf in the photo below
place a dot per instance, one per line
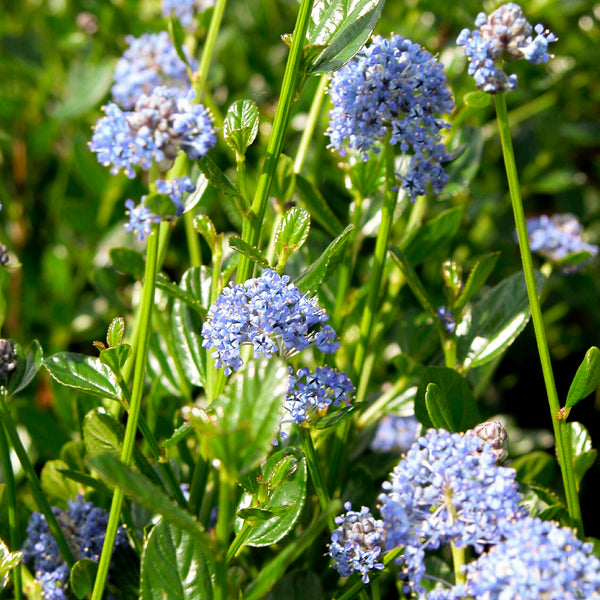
(83, 575)
(298, 585)
(160, 205)
(477, 99)
(461, 409)
(586, 379)
(174, 565)
(178, 37)
(8, 561)
(343, 26)
(320, 270)
(248, 414)
(281, 470)
(494, 322)
(178, 293)
(179, 434)
(187, 325)
(290, 491)
(437, 408)
(466, 160)
(367, 176)
(161, 367)
(85, 373)
(57, 487)
(313, 201)
(535, 467)
(240, 125)
(217, 177)
(128, 261)
(86, 480)
(452, 273)
(144, 492)
(27, 368)
(205, 227)
(103, 434)
(254, 514)
(191, 200)
(432, 237)
(582, 452)
(292, 232)
(115, 358)
(334, 417)
(477, 277)
(284, 181)
(254, 254)
(116, 331)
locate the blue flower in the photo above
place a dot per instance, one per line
(271, 314)
(357, 543)
(84, 527)
(150, 61)
(140, 220)
(175, 188)
(394, 86)
(185, 10)
(161, 124)
(446, 318)
(504, 35)
(310, 394)
(447, 489)
(537, 559)
(558, 237)
(395, 434)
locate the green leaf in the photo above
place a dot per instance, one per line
(477, 277)
(174, 565)
(8, 561)
(466, 160)
(194, 198)
(292, 232)
(240, 125)
(298, 585)
(367, 176)
(334, 417)
(128, 261)
(83, 575)
(217, 177)
(477, 99)
(586, 379)
(161, 205)
(284, 181)
(495, 321)
(582, 452)
(432, 237)
(87, 481)
(116, 331)
(178, 293)
(85, 373)
(255, 514)
(535, 467)
(254, 254)
(144, 492)
(461, 409)
(179, 434)
(115, 358)
(57, 487)
(317, 206)
(248, 415)
(178, 36)
(290, 491)
(437, 408)
(452, 273)
(161, 367)
(326, 264)
(205, 227)
(343, 26)
(103, 434)
(27, 368)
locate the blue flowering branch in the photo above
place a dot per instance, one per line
(559, 425)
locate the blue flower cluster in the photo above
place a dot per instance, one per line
(395, 434)
(175, 188)
(537, 559)
(150, 61)
(161, 124)
(84, 527)
(558, 237)
(394, 87)
(271, 314)
(357, 543)
(185, 10)
(447, 489)
(504, 35)
(311, 394)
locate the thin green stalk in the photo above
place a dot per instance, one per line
(223, 531)
(209, 48)
(141, 358)
(198, 483)
(239, 541)
(252, 226)
(559, 425)
(34, 483)
(13, 521)
(311, 123)
(458, 559)
(314, 468)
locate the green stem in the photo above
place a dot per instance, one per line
(198, 484)
(36, 488)
(559, 425)
(13, 521)
(314, 469)
(311, 123)
(458, 559)
(223, 531)
(239, 541)
(209, 48)
(253, 224)
(141, 358)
